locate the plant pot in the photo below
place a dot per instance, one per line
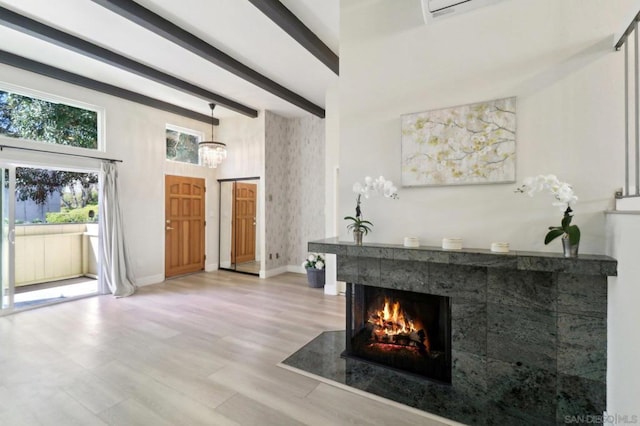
(315, 277)
(357, 237)
(570, 250)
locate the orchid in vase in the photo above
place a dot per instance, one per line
(565, 198)
(378, 186)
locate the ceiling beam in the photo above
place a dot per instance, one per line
(33, 28)
(166, 29)
(290, 23)
(69, 77)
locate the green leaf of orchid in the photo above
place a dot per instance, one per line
(574, 234)
(552, 235)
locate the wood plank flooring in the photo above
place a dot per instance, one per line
(196, 350)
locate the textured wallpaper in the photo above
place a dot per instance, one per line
(294, 187)
(276, 181)
(307, 151)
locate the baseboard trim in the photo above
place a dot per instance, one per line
(211, 267)
(273, 272)
(152, 279)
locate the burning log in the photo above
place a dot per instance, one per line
(390, 325)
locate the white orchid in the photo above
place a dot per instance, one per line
(378, 186)
(562, 191)
(565, 198)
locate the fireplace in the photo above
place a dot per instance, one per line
(399, 329)
(527, 332)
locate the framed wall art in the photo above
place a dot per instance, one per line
(469, 144)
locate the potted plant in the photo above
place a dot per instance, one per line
(358, 225)
(315, 270)
(570, 234)
(564, 195)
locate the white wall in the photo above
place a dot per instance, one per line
(331, 172)
(556, 57)
(623, 316)
(244, 137)
(136, 134)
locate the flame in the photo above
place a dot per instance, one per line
(391, 323)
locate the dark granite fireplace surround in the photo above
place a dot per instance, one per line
(528, 331)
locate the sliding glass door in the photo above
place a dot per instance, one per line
(7, 243)
(49, 237)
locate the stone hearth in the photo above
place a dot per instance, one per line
(528, 331)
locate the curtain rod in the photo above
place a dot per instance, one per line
(628, 31)
(24, 148)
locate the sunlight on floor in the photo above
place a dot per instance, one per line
(82, 287)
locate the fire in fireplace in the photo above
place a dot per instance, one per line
(402, 330)
(392, 326)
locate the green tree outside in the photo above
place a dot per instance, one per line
(35, 119)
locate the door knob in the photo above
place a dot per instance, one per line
(169, 228)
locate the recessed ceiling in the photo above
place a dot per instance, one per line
(235, 27)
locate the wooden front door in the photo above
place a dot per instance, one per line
(184, 225)
(244, 221)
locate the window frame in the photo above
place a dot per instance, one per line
(56, 99)
(185, 130)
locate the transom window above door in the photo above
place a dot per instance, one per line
(182, 144)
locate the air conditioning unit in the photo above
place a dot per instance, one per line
(434, 10)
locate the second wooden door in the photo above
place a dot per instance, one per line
(244, 221)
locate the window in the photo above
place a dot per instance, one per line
(182, 144)
(27, 117)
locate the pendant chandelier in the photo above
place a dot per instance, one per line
(211, 153)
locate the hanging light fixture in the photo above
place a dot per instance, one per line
(211, 153)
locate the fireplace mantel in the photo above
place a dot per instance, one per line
(528, 329)
(587, 264)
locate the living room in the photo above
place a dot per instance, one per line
(556, 58)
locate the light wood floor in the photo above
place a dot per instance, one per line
(197, 350)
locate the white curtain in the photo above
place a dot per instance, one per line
(115, 266)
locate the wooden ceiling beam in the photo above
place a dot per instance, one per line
(41, 31)
(297, 30)
(164, 28)
(30, 65)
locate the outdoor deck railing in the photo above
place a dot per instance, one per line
(51, 252)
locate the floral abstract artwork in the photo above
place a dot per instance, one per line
(470, 144)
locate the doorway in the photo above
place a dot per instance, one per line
(239, 225)
(184, 225)
(49, 246)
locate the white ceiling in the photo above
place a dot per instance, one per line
(234, 26)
